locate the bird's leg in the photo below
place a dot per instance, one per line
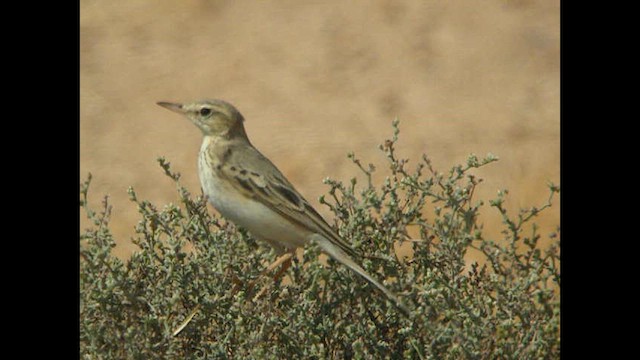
(285, 261)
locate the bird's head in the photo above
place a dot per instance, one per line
(215, 118)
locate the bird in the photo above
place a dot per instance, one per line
(245, 187)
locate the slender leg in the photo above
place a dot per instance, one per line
(285, 261)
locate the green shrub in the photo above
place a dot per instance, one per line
(508, 307)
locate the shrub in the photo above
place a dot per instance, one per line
(210, 300)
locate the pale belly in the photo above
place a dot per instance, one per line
(262, 222)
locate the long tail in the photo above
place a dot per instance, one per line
(340, 255)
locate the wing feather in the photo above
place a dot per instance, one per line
(267, 185)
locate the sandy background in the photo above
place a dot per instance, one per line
(315, 80)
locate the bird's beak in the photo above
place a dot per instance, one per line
(172, 106)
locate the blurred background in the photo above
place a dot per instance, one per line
(316, 80)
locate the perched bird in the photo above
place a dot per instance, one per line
(248, 189)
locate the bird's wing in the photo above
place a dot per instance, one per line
(256, 177)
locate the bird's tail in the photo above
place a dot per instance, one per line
(341, 256)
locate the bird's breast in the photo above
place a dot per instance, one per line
(261, 221)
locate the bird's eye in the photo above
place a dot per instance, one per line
(205, 111)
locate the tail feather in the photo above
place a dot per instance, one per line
(340, 255)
